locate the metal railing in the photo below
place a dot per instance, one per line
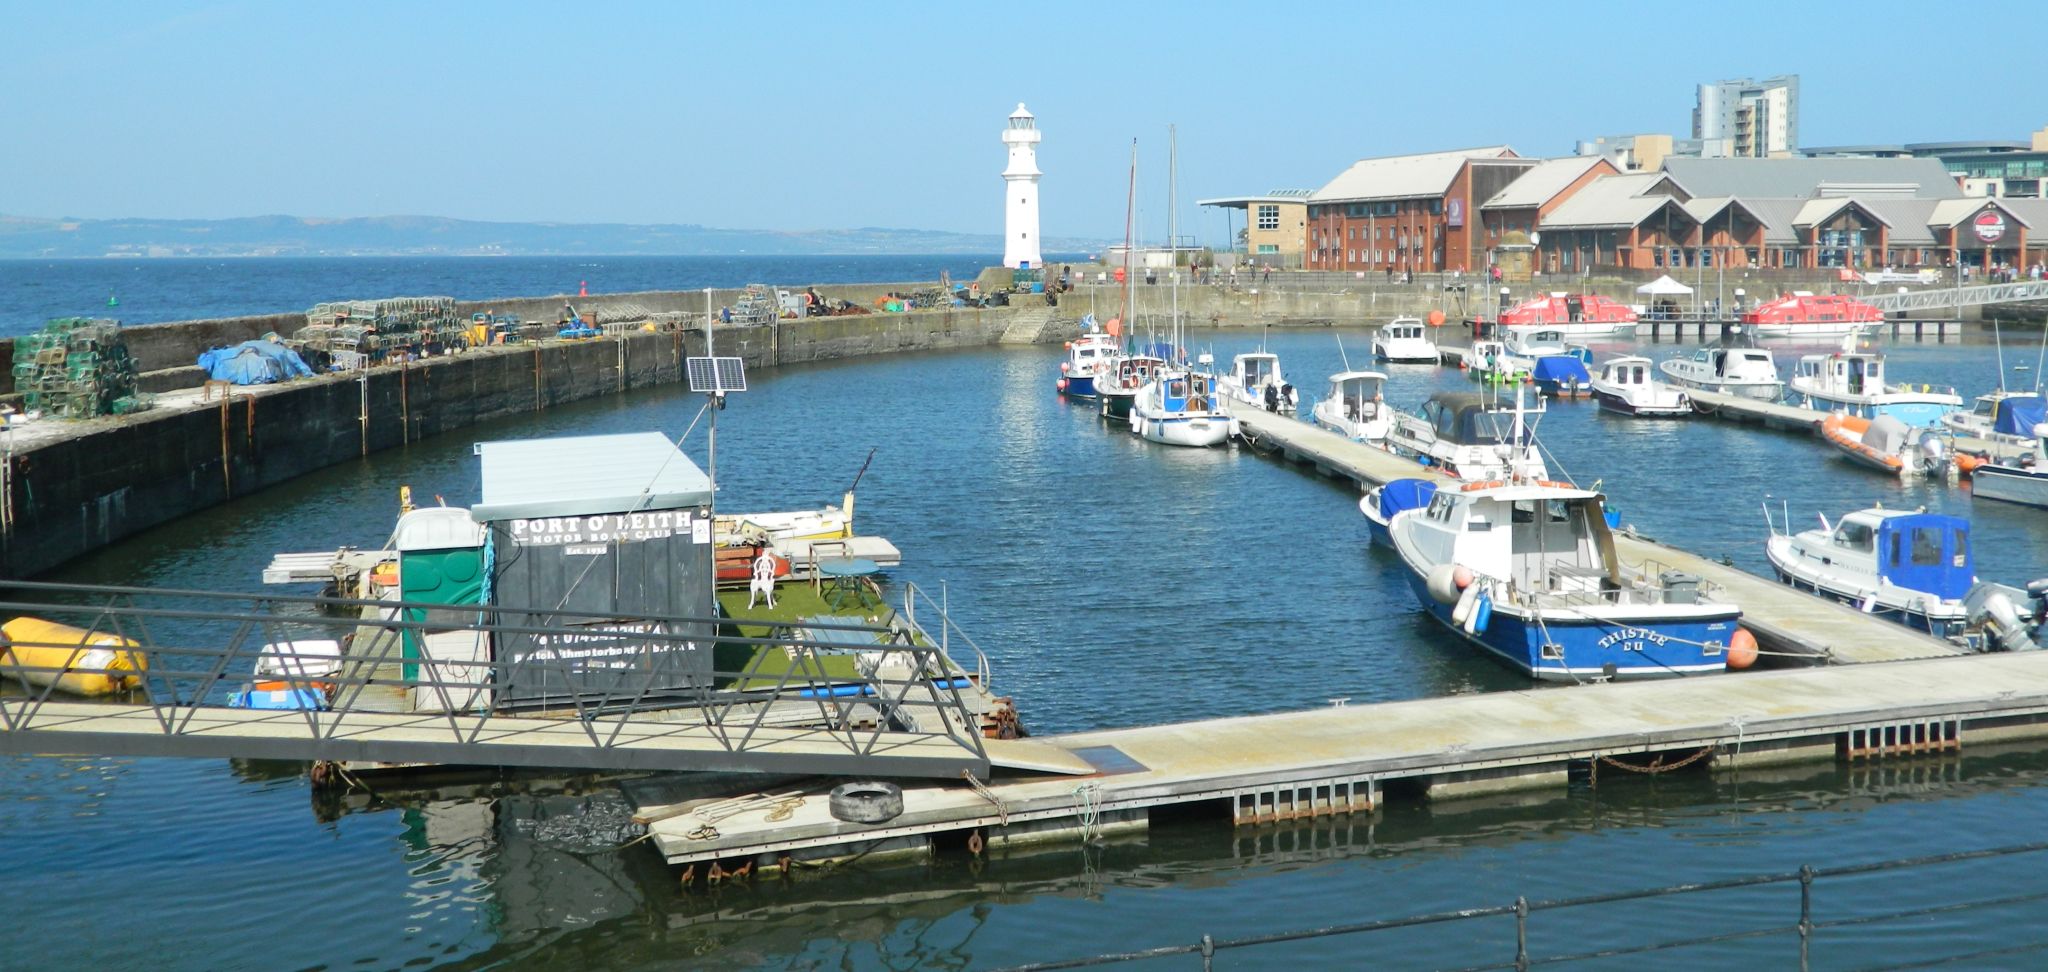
(912, 596)
(187, 658)
(1523, 909)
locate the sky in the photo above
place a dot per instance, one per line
(795, 115)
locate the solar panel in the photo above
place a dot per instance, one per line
(717, 374)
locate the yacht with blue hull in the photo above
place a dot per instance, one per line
(1527, 571)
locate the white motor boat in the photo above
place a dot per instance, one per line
(1403, 339)
(1483, 358)
(1356, 407)
(1468, 436)
(1531, 343)
(1748, 372)
(1853, 382)
(2007, 418)
(1179, 408)
(1902, 565)
(1629, 385)
(1528, 572)
(2024, 481)
(1253, 377)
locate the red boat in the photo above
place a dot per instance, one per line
(1811, 315)
(1573, 314)
(736, 563)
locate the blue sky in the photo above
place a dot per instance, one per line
(806, 116)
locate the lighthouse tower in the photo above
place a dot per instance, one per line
(1020, 192)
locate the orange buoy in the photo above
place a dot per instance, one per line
(1742, 649)
(1436, 318)
(1462, 577)
(385, 574)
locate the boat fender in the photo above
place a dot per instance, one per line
(1482, 614)
(1062, 383)
(1742, 649)
(1442, 583)
(1461, 613)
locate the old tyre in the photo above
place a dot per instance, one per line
(867, 802)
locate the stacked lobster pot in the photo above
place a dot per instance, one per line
(76, 367)
(353, 334)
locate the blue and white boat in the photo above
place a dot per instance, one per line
(2007, 418)
(1562, 376)
(1391, 497)
(1526, 570)
(1852, 382)
(1180, 408)
(1906, 566)
(1087, 357)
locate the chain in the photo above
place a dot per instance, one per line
(1658, 765)
(1002, 812)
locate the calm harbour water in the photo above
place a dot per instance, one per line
(1113, 583)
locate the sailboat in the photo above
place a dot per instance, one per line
(1179, 406)
(1117, 386)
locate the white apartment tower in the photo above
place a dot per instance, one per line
(1020, 192)
(1748, 119)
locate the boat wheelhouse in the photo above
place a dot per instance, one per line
(1628, 385)
(1403, 339)
(2007, 418)
(1853, 382)
(1355, 407)
(1180, 408)
(1251, 375)
(1469, 436)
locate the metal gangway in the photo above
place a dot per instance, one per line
(180, 663)
(1935, 299)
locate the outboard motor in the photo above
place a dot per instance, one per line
(1933, 451)
(1996, 609)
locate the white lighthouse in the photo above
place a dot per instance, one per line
(1020, 192)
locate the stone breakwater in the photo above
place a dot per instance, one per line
(69, 487)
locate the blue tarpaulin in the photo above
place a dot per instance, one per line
(1561, 369)
(1405, 494)
(253, 363)
(2018, 416)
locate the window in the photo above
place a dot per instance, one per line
(1269, 248)
(1269, 217)
(1436, 207)
(1926, 546)
(1854, 536)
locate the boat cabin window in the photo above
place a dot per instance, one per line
(1177, 388)
(1642, 375)
(1854, 536)
(1440, 507)
(1926, 546)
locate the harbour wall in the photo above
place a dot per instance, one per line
(67, 488)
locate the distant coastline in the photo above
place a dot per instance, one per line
(31, 237)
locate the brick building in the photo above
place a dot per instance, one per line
(1408, 212)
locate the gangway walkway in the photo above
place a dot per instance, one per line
(644, 693)
(1936, 298)
(1783, 619)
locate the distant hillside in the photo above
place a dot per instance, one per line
(28, 236)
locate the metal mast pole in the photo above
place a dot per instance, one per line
(711, 451)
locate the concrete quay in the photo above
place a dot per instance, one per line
(69, 487)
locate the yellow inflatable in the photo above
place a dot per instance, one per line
(75, 660)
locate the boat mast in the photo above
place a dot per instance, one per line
(1123, 307)
(1172, 227)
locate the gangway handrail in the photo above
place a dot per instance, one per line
(604, 676)
(911, 595)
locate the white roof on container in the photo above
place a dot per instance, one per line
(1403, 176)
(1542, 183)
(587, 474)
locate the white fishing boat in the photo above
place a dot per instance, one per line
(1629, 385)
(1484, 359)
(1530, 343)
(1179, 408)
(1853, 382)
(1471, 437)
(2023, 481)
(1903, 565)
(1748, 372)
(1255, 380)
(2007, 418)
(1355, 407)
(1403, 339)
(1527, 571)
